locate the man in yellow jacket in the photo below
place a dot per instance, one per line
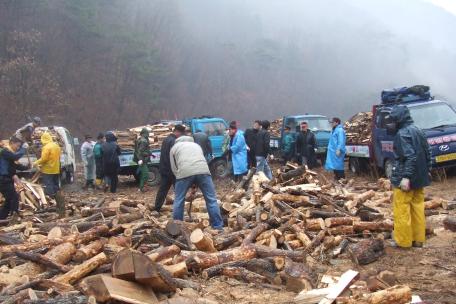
(49, 165)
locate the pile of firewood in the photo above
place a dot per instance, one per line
(279, 233)
(157, 133)
(359, 128)
(36, 137)
(276, 126)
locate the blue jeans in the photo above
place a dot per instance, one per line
(262, 165)
(204, 182)
(51, 183)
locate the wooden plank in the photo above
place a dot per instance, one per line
(336, 290)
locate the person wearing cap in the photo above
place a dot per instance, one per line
(88, 159)
(238, 150)
(167, 178)
(262, 149)
(336, 150)
(306, 145)
(98, 154)
(111, 163)
(25, 133)
(288, 145)
(9, 155)
(142, 157)
(411, 173)
(190, 168)
(49, 165)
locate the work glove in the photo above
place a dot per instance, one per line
(25, 146)
(315, 150)
(140, 162)
(271, 157)
(338, 153)
(405, 184)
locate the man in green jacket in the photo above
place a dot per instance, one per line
(142, 156)
(288, 145)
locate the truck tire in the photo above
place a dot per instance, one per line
(154, 176)
(67, 176)
(388, 168)
(354, 165)
(219, 168)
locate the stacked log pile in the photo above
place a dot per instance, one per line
(359, 129)
(279, 233)
(157, 133)
(276, 126)
(36, 137)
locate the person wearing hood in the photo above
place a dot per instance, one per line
(336, 150)
(111, 164)
(250, 136)
(203, 140)
(49, 165)
(263, 149)
(88, 159)
(142, 157)
(238, 150)
(411, 173)
(99, 159)
(9, 155)
(190, 168)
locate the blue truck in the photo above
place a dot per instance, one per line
(436, 118)
(319, 124)
(214, 127)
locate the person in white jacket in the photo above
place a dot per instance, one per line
(88, 159)
(190, 168)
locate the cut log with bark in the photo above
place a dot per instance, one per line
(178, 270)
(338, 221)
(202, 241)
(301, 200)
(85, 252)
(373, 226)
(323, 214)
(298, 276)
(398, 294)
(42, 260)
(250, 238)
(293, 173)
(242, 274)
(105, 288)
(315, 224)
(366, 251)
(81, 270)
(164, 253)
(450, 223)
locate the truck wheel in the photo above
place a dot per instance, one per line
(388, 168)
(219, 168)
(154, 176)
(69, 178)
(354, 166)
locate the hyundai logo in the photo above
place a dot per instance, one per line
(444, 148)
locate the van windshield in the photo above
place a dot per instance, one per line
(433, 115)
(317, 123)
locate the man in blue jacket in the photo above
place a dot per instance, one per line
(412, 164)
(238, 150)
(336, 150)
(9, 156)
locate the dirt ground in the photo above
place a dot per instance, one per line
(429, 271)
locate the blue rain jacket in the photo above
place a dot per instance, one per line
(336, 142)
(239, 153)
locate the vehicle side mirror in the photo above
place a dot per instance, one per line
(76, 141)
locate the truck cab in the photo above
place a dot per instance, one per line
(435, 117)
(318, 124)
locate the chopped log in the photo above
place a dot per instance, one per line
(88, 211)
(29, 284)
(254, 233)
(166, 240)
(433, 204)
(338, 221)
(178, 270)
(293, 173)
(202, 241)
(359, 199)
(61, 300)
(299, 199)
(112, 250)
(373, 226)
(243, 274)
(173, 227)
(311, 296)
(89, 250)
(298, 276)
(55, 233)
(369, 216)
(449, 223)
(341, 230)
(323, 214)
(222, 243)
(399, 294)
(121, 240)
(105, 288)
(21, 296)
(164, 253)
(445, 205)
(266, 252)
(366, 251)
(83, 269)
(127, 218)
(42, 260)
(85, 237)
(315, 224)
(10, 239)
(340, 248)
(316, 240)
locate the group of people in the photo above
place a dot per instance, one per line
(101, 161)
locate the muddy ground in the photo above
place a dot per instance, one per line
(429, 271)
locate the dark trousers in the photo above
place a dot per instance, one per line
(99, 168)
(112, 180)
(166, 182)
(11, 203)
(339, 174)
(251, 159)
(51, 183)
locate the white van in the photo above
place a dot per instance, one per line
(67, 157)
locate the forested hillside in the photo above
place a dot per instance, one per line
(94, 65)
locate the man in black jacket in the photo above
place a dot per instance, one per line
(204, 142)
(306, 145)
(262, 149)
(167, 177)
(250, 136)
(111, 164)
(8, 165)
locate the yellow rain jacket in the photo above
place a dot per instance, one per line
(50, 156)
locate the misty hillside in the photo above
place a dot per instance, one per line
(94, 65)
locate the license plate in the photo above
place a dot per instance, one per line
(444, 158)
